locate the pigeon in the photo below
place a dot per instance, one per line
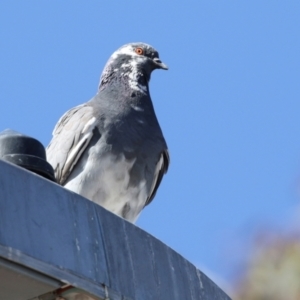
(111, 149)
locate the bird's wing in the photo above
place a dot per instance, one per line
(71, 136)
(161, 169)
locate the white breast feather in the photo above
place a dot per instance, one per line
(108, 185)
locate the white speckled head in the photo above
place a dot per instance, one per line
(129, 49)
(133, 61)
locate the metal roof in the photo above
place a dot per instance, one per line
(51, 237)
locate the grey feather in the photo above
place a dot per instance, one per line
(68, 135)
(111, 149)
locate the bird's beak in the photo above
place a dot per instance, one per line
(159, 64)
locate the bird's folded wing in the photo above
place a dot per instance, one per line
(161, 169)
(71, 136)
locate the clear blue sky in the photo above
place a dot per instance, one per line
(229, 106)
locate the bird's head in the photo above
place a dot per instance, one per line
(140, 54)
(134, 60)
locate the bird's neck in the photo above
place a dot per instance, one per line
(137, 81)
(127, 75)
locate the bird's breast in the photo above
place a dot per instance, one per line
(107, 180)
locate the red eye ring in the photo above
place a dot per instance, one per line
(139, 51)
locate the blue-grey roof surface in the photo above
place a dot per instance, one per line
(71, 239)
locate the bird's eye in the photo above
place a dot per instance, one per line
(139, 51)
